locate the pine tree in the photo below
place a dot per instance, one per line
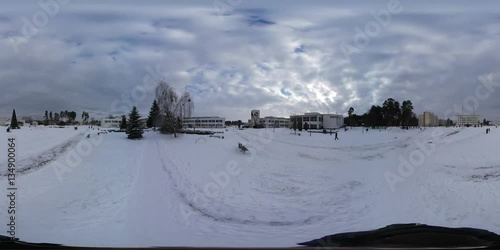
(178, 124)
(350, 112)
(123, 123)
(154, 116)
(134, 128)
(46, 118)
(306, 126)
(13, 121)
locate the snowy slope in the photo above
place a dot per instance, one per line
(201, 191)
(35, 140)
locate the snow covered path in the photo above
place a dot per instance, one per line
(162, 191)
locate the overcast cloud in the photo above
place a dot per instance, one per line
(281, 57)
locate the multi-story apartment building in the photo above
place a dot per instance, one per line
(428, 119)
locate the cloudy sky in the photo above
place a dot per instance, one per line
(281, 57)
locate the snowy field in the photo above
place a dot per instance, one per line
(197, 190)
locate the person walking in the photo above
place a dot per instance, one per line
(336, 136)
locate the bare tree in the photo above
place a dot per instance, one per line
(172, 108)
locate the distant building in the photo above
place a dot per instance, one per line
(316, 120)
(27, 119)
(204, 122)
(111, 122)
(143, 122)
(495, 123)
(254, 118)
(274, 122)
(4, 121)
(428, 119)
(468, 120)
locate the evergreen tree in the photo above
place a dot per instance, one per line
(406, 113)
(306, 126)
(13, 121)
(414, 120)
(350, 112)
(85, 117)
(154, 116)
(134, 128)
(46, 118)
(168, 126)
(392, 112)
(123, 123)
(72, 116)
(179, 124)
(50, 116)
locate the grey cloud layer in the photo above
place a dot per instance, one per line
(282, 57)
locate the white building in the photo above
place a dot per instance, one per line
(332, 121)
(275, 122)
(4, 121)
(468, 120)
(316, 120)
(204, 122)
(111, 122)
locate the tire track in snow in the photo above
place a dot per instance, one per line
(331, 206)
(36, 162)
(167, 164)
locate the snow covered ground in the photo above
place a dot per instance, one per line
(202, 191)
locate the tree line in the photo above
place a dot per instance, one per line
(390, 113)
(167, 112)
(238, 123)
(66, 118)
